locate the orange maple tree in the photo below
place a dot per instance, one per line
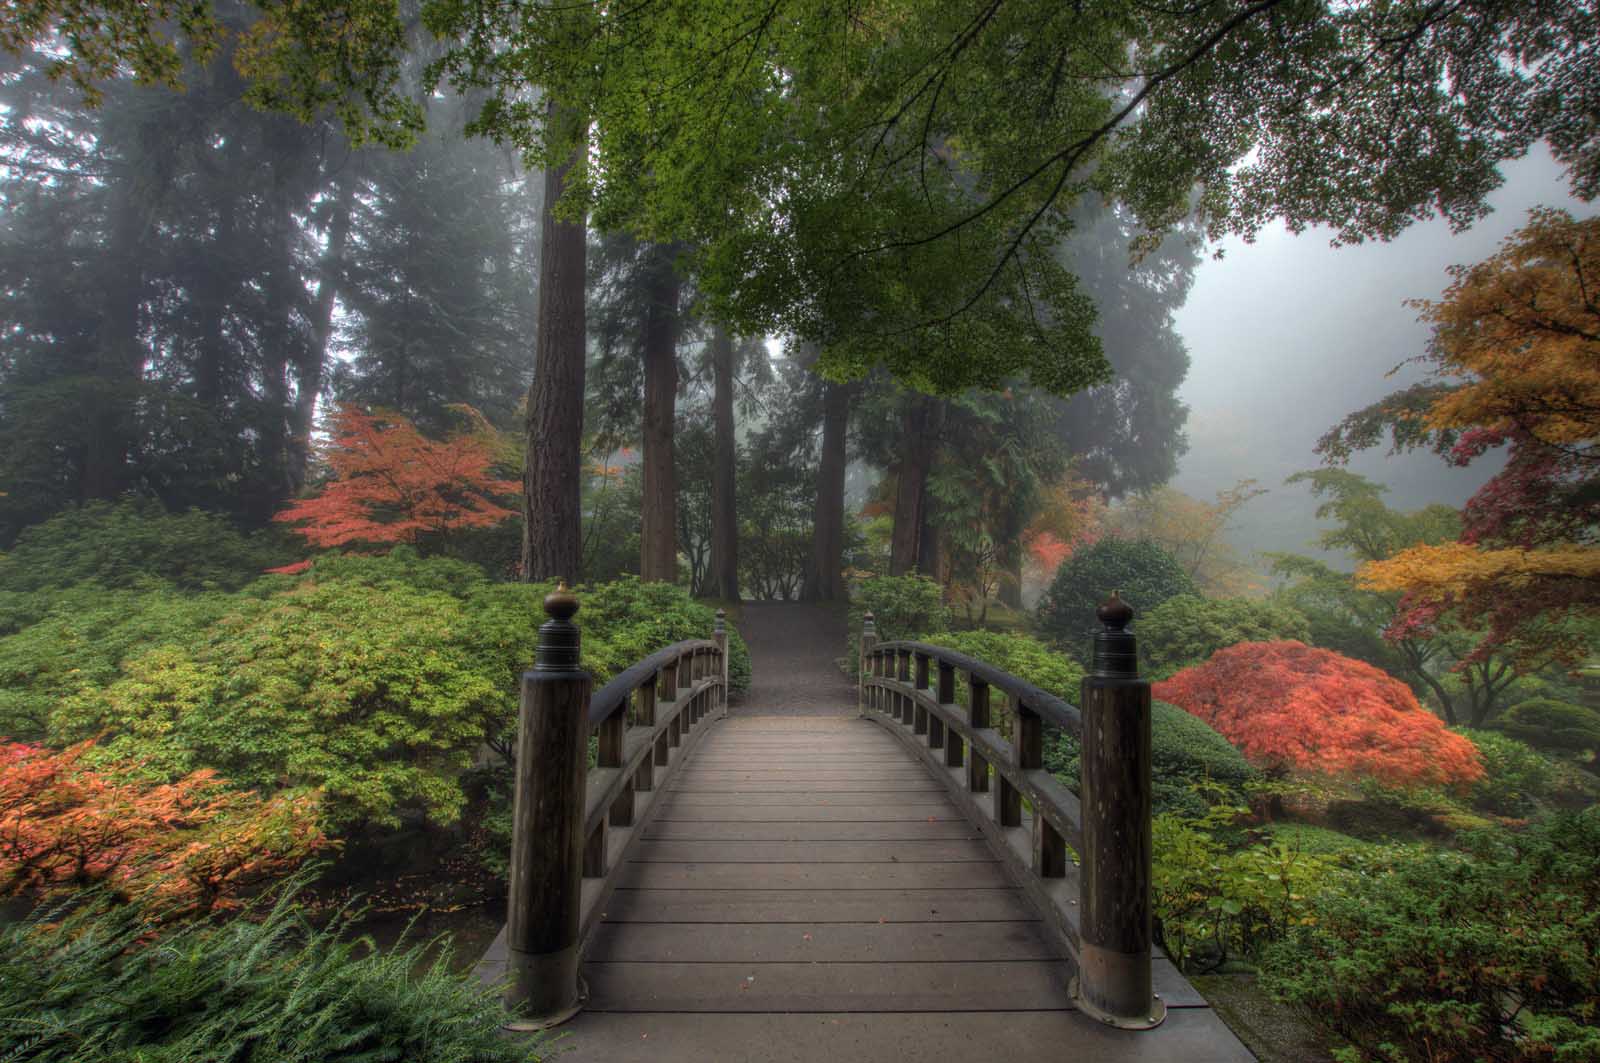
(392, 484)
(1515, 356)
(194, 844)
(1289, 705)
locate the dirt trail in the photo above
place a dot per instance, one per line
(794, 652)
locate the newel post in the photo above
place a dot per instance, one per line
(1113, 982)
(719, 635)
(544, 909)
(869, 640)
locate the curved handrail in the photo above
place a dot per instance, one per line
(1055, 710)
(606, 700)
(1085, 862)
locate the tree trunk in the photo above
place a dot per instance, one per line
(552, 524)
(724, 499)
(930, 550)
(918, 441)
(658, 542)
(824, 576)
(309, 367)
(1010, 590)
(119, 356)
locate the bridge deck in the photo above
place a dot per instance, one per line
(808, 892)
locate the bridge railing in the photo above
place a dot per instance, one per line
(1083, 858)
(572, 822)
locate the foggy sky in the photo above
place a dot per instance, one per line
(1288, 334)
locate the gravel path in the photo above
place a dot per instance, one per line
(794, 660)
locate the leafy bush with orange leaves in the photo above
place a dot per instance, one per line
(195, 845)
(1287, 705)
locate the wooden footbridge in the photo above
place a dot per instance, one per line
(897, 879)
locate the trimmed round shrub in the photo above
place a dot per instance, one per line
(1144, 574)
(902, 607)
(1555, 725)
(1186, 630)
(1516, 777)
(1184, 754)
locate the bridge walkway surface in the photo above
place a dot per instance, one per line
(807, 891)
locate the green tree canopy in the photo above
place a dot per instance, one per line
(1141, 572)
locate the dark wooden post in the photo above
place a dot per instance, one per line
(1113, 983)
(869, 639)
(719, 635)
(547, 842)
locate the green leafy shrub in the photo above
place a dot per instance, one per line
(1184, 753)
(1555, 725)
(92, 988)
(1142, 572)
(1214, 904)
(902, 607)
(1187, 629)
(125, 544)
(1022, 655)
(1489, 952)
(379, 697)
(374, 679)
(1516, 777)
(76, 643)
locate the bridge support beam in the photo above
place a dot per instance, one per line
(1114, 979)
(544, 914)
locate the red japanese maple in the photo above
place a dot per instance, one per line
(392, 484)
(195, 844)
(1289, 705)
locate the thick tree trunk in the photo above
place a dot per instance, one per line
(309, 367)
(930, 550)
(552, 524)
(824, 576)
(658, 539)
(724, 501)
(919, 427)
(120, 355)
(1010, 591)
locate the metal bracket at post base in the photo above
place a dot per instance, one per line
(1110, 965)
(528, 973)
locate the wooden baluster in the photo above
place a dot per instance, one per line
(548, 849)
(978, 717)
(1114, 983)
(1049, 849)
(719, 635)
(1028, 737)
(947, 696)
(869, 640)
(608, 754)
(644, 780)
(920, 722)
(644, 702)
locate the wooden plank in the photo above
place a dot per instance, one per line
(848, 795)
(873, 813)
(812, 876)
(1196, 1036)
(814, 906)
(819, 774)
(753, 943)
(691, 785)
(935, 850)
(1036, 985)
(814, 831)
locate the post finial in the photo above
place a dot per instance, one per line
(1115, 613)
(869, 626)
(559, 641)
(721, 626)
(1116, 654)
